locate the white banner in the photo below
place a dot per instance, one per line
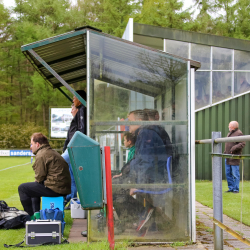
(4, 152)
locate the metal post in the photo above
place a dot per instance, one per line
(217, 191)
(109, 198)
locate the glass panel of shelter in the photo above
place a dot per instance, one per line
(241, 82)
(222, 82)
(222, 59)
(202, 89)
(126, 78)
(201, 53)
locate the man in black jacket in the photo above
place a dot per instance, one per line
(79, 123)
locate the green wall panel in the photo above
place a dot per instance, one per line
(217, 118)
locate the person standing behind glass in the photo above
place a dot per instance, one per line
(78, 123)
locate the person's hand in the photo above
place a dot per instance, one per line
(132, 191)
(118, 175)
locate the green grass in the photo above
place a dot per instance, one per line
(231, 201)
(10, 180)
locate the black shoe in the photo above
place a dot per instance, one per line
(228, 191)
(84, 233)
(235, 192)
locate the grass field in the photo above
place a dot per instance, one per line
(231, 201)
(13, 172)
(17, 170)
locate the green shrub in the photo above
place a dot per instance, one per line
(18, 136)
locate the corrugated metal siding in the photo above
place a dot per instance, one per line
(217, 118)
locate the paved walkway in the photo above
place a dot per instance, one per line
(78, 226)
(204, 232)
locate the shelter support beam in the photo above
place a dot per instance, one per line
(217, 191)
(65, 95)
(34, 54)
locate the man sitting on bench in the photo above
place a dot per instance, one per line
(52, 177)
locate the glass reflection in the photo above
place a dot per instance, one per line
(202, 89)
(241, 83)
(222, 59)
(150, 183)
(222, 82)
(201, 54)
(177, 48)
(241, 60)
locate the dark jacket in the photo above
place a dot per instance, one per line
(164, 136)
(78, 123)
(52, 170)
(234, 147)
(150, 157)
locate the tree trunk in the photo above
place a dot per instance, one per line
(44, 116)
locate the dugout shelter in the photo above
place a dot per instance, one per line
(123, 76)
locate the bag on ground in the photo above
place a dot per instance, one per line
(11, 217)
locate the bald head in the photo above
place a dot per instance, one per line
(233, 125)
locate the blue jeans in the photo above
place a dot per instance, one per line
(233, 177)
(73, 194)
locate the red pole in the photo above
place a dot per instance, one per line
(109, 198)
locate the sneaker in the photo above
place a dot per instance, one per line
(145, 219)
(235, 192)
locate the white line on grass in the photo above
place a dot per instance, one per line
(15, 166)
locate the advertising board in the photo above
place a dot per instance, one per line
(17, 152)
(60, 119)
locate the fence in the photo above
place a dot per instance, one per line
(216, 142)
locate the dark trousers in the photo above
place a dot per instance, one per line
(30, 196)
(126, 207)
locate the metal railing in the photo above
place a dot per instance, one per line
(216, 142)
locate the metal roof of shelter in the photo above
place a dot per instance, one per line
(66, 55)
(190, 36)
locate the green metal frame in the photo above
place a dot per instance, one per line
(33, 53)
(52, 40)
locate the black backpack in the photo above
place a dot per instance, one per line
(11, 217)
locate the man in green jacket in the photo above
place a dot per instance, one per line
(52, 177)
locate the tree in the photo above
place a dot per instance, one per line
(52, 14)
(115, 15)
(111, 16)
(203, 21)
(242, 18)
(225, 24)
(164, 13)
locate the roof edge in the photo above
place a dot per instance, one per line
(191, 37)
